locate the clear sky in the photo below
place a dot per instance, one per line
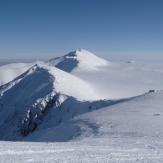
(46, 28)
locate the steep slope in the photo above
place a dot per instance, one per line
(63, 82)
(26, 100)
(10, 71)
(79, 59)
(18, 96)
(128, 132)
(136, 118)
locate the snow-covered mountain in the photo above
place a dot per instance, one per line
(127, 132)
(112, 79)
(81, 60)
(10, 71)
(25, 100)
(137, 117)
(102, 109)
(109, 79)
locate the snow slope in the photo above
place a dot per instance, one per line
(137, 117)
(81, 60)
(126, 132)
(63, 82)
(25, 100)
(10, 71)
(109, 79)
(67, 102)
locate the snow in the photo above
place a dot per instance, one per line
(10, 71)
(126, 132)
(76, 152)
(116, 78)
(70, 85)
(121, 79)
(144, 112)
(82, 108)
(33, 93)
(64, 83)
(81, 59)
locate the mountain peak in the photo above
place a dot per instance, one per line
(81, 51)
(79, 59)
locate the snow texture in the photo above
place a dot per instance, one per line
(82, 108)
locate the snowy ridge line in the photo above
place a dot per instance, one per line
(38, 108)
(71, 85)
(35, 92)
(35, 114)
(10, 71)
(101, 119)
(15, 81)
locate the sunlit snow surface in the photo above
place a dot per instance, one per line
(126, 132)
(82, 126)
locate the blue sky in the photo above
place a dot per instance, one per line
(46, 28)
